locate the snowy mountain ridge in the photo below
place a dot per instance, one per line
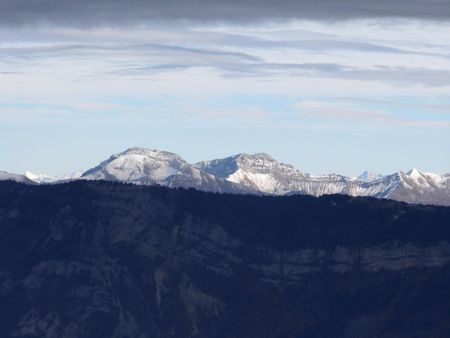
(368, 176)
(43, 178)
(148, 167)
(253, 174)
(5, 176)
(263, 173)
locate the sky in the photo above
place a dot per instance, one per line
(328, 86)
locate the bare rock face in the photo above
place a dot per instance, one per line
(102, 259)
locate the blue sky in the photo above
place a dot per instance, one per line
(325, 96)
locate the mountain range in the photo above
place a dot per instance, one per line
(252, 174)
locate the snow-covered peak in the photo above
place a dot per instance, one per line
(254, 157)
(414, 173)
(368, 176)
(149, 166)
(138, 165)
(253, 173)
(43, 178)
(255, 163)
(260, 162)
(160, 155)
(139, 153)
(5, 176)
(425, 179)
(260, 172)
(38, 178)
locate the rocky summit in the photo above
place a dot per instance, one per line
(105, 259)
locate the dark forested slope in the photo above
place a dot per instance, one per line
(99, 259)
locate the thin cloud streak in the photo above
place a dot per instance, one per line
(350, 112)
(434, 107)
(247, 53)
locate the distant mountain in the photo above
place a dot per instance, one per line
(261, 172)
(148, 167)
(5, 176)
(258, 174)
(43, 178)
(368, 176)
(419, 187)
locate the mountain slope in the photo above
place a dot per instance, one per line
(261, 172)
(100, 259)
(257, 174)
(43, 179)
(420, 187)
(148, 167)
(5, 176)
(367, 176)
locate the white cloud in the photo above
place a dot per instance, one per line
(348, 111)
(363, 58)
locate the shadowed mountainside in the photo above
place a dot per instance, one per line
(102, 259)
